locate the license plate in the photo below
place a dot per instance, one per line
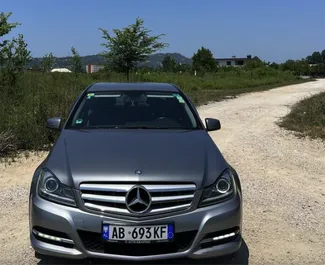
(138, 234)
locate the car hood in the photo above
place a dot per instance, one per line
(114, 156)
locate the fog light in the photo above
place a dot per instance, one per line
(224, 236)
(54, 238)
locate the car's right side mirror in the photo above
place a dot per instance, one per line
(212, 124)
(54, 123)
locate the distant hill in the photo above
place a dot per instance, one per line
(154, 60)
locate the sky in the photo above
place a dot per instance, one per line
(274, 30)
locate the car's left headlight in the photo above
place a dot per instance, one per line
(223, 189)
(50, 188)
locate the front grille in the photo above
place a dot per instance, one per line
(93, 242)
(111, 198)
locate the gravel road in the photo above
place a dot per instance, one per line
(283, 181)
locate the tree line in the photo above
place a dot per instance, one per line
(313, 65)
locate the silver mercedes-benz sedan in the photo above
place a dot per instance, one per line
(134, 175)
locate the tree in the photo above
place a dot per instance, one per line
(274, 65)
(169, 64)
(47, 62)
(298, 67)
(254, 62)
(14, 55)
(203, 60)
(5, 26)
(289, 65)
(323, 56)
(315, 58)
(76, 61)
(22, 56)
(130, 46)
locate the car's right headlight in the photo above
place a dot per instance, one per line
(223, 189)
(50, 188)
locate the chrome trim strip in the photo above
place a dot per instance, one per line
(126, 187)
(170, 188)
(106, 187)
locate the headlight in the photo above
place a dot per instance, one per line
(50, 188)
(224, 188)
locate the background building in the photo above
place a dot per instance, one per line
(233, 61)
(61, 70)
(93, 68)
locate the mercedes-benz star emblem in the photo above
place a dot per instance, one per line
(138, 172)
(138, 200)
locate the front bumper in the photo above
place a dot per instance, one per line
(194, 231)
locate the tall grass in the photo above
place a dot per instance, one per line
(25, 107)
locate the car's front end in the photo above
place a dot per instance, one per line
(73, 226)
(134, 175)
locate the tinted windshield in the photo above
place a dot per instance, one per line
(133, 109)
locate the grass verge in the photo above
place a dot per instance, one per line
(307, 117)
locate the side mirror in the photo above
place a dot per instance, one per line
(212, 124)
(54, 123)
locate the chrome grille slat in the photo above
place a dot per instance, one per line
(111, 197)
(105, 208)
(173, 208)
(171, 198)
(103, 198)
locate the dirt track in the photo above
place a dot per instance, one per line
(282, 176)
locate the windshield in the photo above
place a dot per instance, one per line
(133, 109)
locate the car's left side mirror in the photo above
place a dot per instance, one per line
(212, 124)
(54, 123)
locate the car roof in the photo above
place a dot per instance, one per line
(145, 86)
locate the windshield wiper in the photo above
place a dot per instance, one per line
(138, 127)
(156, 128)
(102, 127)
